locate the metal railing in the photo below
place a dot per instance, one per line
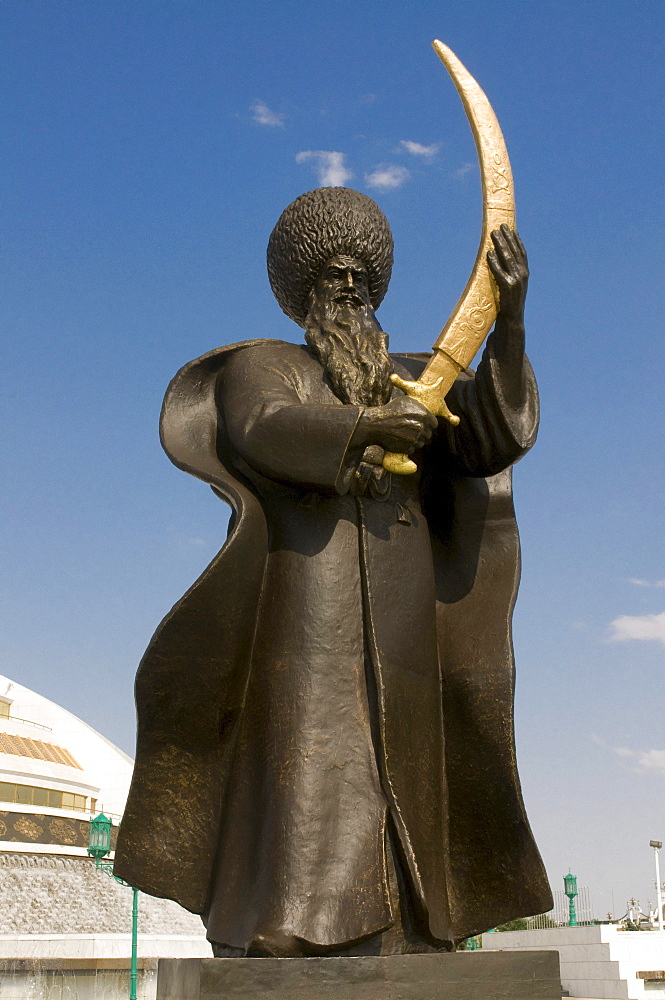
(558, 915)
(28, 722)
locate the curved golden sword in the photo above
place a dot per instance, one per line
(478, 306)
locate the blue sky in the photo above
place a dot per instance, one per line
(149, 148)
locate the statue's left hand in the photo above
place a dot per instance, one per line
(508, 263)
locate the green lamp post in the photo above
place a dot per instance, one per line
(99, 837)
(99, 846)
(570, 889)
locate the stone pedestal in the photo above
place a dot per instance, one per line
(530, 975)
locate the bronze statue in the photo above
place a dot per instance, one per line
(325, 758)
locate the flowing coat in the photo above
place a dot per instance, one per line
(346, 657)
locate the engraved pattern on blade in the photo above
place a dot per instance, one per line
(475, 322)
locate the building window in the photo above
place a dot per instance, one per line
(51, 798)
(4, 709)
(23, 794)
(40, 796)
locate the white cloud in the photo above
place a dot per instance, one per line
(330, 166)
(417, 148)
(644, 761)
(263, 115)
(466, 168)
(649, 761)
(646, 627)
(645, 583)
(387, 177)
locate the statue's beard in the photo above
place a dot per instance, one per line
(352, 348)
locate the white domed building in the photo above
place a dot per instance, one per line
(55, 771)
(60, 918)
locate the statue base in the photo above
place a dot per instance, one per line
(490, 975)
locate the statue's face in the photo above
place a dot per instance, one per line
(344, 280)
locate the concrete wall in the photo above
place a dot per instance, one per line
(86, 966)
(74, 984)
(66, 932)
(40, 894)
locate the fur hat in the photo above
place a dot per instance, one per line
(319, 225)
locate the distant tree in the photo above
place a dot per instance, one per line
(470, 944)
(519, 924)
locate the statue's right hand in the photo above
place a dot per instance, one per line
(402, 425)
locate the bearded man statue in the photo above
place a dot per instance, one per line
(325, 760)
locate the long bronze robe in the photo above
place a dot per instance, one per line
(261, 791)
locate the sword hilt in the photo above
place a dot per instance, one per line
(431, 396)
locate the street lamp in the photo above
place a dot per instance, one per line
(570, 889)
(99, 837)
(99, 845)
(657, 844)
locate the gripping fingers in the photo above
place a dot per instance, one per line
(521, 248)
(509, 252)
(495, 267)
(520, 267)
(419, 432)
(503, 250)
(510, 237)
(424, 437)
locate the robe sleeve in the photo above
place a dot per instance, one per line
(498, 418)
(280, 436)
